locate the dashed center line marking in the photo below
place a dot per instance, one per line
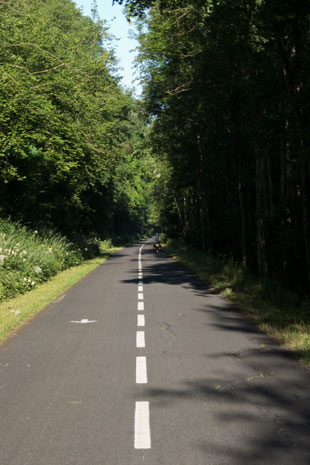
(140, 340)
(141, 320)
(142, 426)
(140, 288)
(140, 306)
(141, 372)
(140, 296)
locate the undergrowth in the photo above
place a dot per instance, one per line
(31, 257)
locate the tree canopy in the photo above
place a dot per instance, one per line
(219, 140)
(64, 121)
(226, 85)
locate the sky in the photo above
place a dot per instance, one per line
(120, 28)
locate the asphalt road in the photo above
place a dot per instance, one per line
(140, 363)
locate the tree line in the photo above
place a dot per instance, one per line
(227, 85)
(70, 136)
(220, 139)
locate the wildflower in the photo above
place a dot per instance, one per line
(24, 259)
(33, 283)
(50, 250)
(37, 269)
(25, 252)
(2, 258)
(25, 279)
(36, 232)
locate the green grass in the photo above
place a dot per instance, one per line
(17, 311)
(276, 311)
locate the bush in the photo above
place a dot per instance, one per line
(28, 258)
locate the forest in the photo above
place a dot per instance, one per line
(215, 152)
(226, 83)
(73, 155)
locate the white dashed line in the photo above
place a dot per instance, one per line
(142, 411)
(140, 340)
(141, 373)
(140, 320)
(142, 426)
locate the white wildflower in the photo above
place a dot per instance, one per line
(33, 283)
(50, 250)
(2, 258)
(37, 269)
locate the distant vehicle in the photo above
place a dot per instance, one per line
(157, 247)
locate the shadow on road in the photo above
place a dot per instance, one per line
(261, 404)
(266, 417)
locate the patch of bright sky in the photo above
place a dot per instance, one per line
(120, 28)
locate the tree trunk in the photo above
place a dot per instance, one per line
(260, 227)
(242, 203)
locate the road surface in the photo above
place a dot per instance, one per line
(140, 363)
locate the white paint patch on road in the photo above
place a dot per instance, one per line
(84, 321)
(140, 340)
(140, 296)
(140, 276)
(142, 426)
(141, 306)
(141, 372)
(141, 320)
(140, 288)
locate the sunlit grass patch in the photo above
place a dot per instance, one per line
(276, 311)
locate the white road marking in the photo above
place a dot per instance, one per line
(141, 306)
(140, 288)
(140, 276)
(141, 372)
(140, 340)
(84, 321)
(140, 283)
(140, 296)
(142, 426)
(141, 320)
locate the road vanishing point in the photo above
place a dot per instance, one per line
(160, 371)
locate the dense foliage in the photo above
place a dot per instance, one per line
(68, 133)
(226, 83)
(29, 258)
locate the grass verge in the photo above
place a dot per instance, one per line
(17, 311)
(276, 311)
